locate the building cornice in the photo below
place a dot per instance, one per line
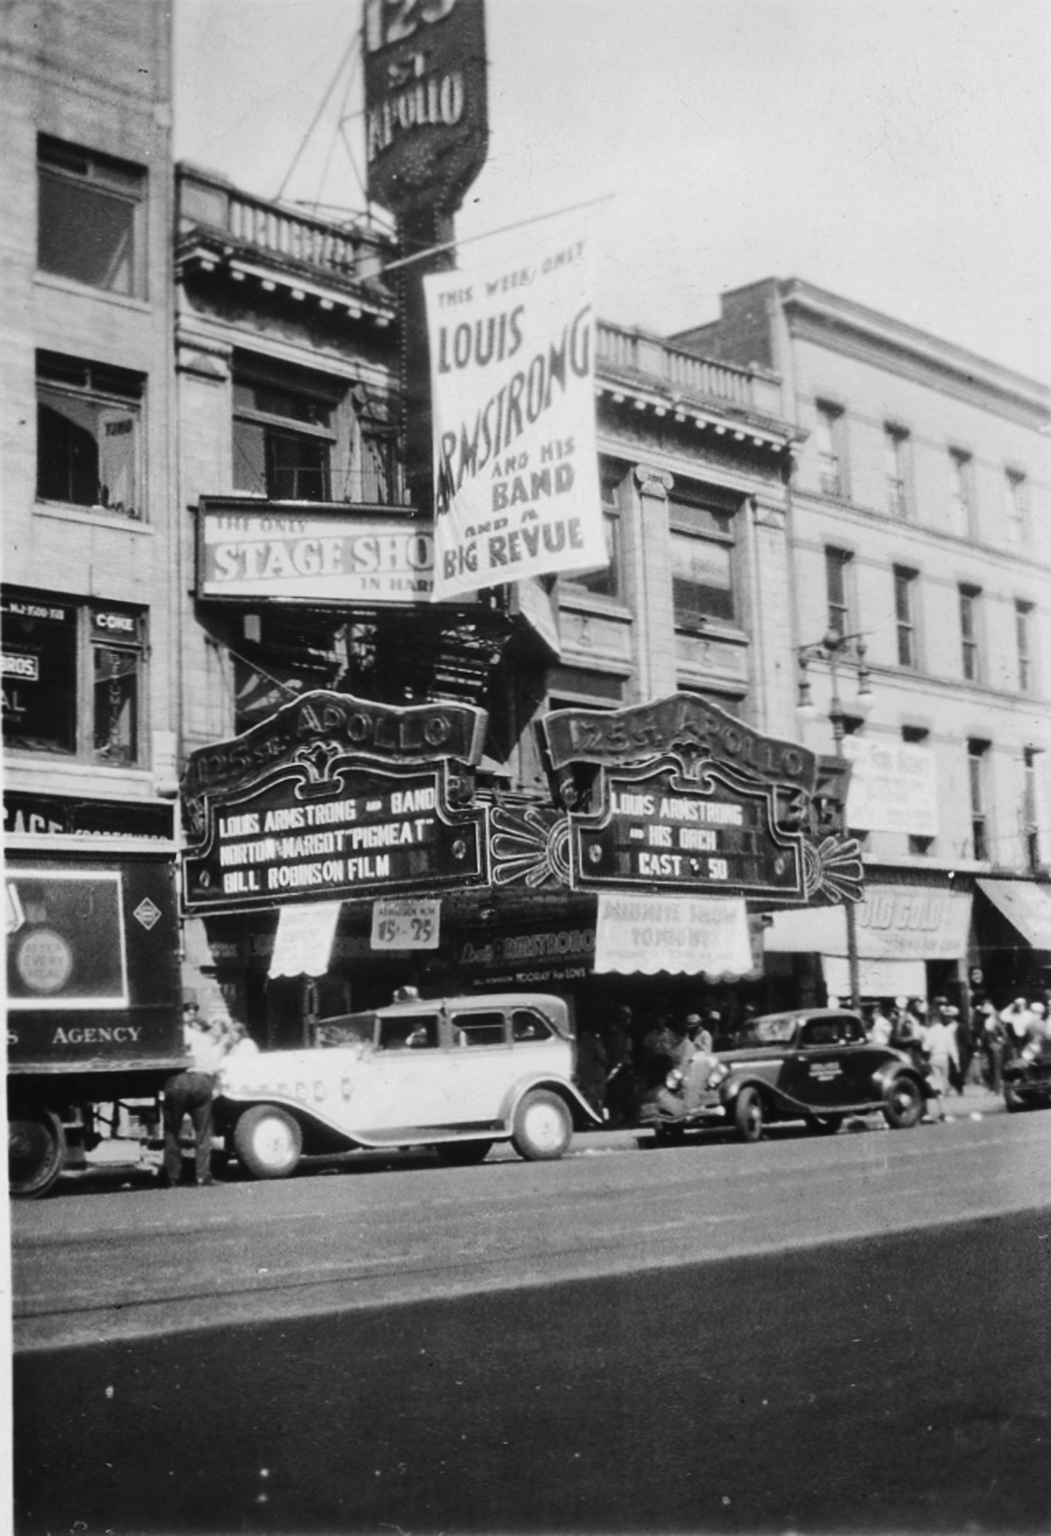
(814, 314)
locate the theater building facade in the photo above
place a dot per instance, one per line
(455, 795)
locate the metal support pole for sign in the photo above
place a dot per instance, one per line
(830, 649)
(429, 230)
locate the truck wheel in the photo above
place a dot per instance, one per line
(903, 1104)
(36, 1151)
(461, 1153)
(542, 1128)
(748, 1115)
(268, 1142)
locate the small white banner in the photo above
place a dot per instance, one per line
(513, 396)
(679, 934)
(303, 944)
(406, 924)
(893, 787)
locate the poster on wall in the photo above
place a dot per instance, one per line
(893, 787)
(512, 381)
(303, 943)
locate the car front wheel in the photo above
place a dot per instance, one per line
(268, 1141)
(748, 1115)
(826, 1125)
(903, 1104)
(542, 1128)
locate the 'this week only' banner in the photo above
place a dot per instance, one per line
(512, 381)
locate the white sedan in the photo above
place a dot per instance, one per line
(456, 1074)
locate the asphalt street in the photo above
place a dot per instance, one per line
(811, 1334)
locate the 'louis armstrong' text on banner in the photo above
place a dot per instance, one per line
(512, 379)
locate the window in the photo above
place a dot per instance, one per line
(905, 615)
(1030, 815)
(282, 442)
(1023, 638)
(1017, 508)
(960, 508)
(976, 751)
(971, 656)
(895, 446)
(478, 1029)
(837, 569)
(830, 449)
(526, 1025)
(378, 467)
(408, 1032)
(89, 435)
(89, 218)
(702, 572)
(605, 579)
(73, 678)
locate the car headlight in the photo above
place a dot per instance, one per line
(673, 1079)
(717, 1074)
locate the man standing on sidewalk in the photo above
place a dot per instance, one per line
(190, 1092)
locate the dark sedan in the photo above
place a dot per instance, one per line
(814, 1065)
(1027, 1077)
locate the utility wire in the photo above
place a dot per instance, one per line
(337, 131)
(317, 116)
(452, 245)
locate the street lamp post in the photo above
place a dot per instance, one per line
(831, 650)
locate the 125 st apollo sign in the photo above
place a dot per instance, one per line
(426, 109)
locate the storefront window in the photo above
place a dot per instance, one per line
(72, 678)
(40, 675)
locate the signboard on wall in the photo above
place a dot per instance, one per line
(680, 796)
(659, 830)
(426, 107)
(893, 787)
(291, 552)
(335, 797)
(366, 830)
(512, 387)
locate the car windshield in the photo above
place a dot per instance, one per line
(770, 1031)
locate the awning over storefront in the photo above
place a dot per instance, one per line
(894, 923)
(681, 935)
(1026, 906)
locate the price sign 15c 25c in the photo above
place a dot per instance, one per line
(409, 924)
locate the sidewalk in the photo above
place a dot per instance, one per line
(975, 1100)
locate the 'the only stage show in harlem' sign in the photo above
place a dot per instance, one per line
(512, 380)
